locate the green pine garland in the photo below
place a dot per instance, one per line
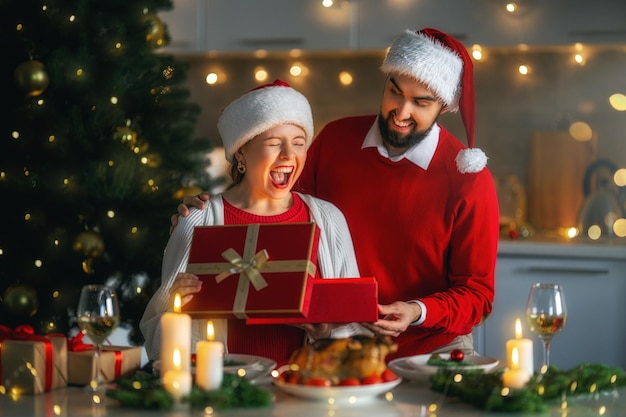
(145, 391)
(484, 390)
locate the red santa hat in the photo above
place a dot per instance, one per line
(260, 109)
(443, 64)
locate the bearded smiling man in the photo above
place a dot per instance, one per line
(421, 206)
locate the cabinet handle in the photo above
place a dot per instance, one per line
(558, 270)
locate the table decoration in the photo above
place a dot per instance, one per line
(524, 348)
(145, 391)
(175, 334)
(209, 361)
(485, 391)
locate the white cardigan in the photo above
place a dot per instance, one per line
(336, 259)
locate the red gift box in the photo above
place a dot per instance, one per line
(339, 300)
(256, 270)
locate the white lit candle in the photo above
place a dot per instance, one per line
(175, 334)
(209, 361)
(176, 381)
(524, 350)
(515, 377)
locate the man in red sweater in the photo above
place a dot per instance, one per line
(421, 207)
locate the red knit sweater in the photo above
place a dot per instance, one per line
(424, 234)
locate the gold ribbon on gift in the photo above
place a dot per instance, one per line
(249, 266)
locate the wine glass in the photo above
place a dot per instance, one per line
(546, 314)
(98, 315)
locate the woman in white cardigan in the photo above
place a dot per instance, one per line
(266, 133)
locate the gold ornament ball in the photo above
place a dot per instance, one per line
(156, 29)
(31, 76)
(90, 243)
(21, 300)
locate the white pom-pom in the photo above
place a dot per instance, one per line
(471, 160)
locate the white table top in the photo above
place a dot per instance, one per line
(410, 399)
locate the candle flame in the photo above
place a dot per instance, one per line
(177, 303)
(176, 358)
(518, 328)
(210, 330)
(514, 358)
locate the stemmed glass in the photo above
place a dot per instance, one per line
(98, 315)
(546, 314)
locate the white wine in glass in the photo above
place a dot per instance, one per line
(98, 315)
(546, 314)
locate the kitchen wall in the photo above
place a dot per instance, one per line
(511, 108)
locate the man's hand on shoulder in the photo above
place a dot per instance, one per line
(189, 201)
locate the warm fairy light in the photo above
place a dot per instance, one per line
(345, 78)
(211, 78)
(27, 216)
(118, 45)
(38, 263)
(40, 102)
(79, 72)
(15, 134)
(151, 182)
(619, 227)
(114, 100)
(110, 214)
(260, 74)
(295, 70)
(511, 7)
(51, 138)
(55, 294)
(618, 101)
(581, 131)
(111, 163)
(477, 52)
(144, 160)
(620, 177)
(177, 304)
(594, 232)
(136, 149)
(524, 69)
(572, 232)
(72, 18)
(260, 53)
(66, 181)
(134, 230)
(327, 3)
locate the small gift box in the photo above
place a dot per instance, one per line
(338, 300)
(30, 363)
(115, 362)
(257, 270)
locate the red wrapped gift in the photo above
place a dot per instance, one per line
(257, 270)
(31, 363)
(339, 300)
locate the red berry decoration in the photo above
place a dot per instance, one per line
(457, 355)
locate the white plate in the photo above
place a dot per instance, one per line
(254, 366)
(349, 394)
(416, 367)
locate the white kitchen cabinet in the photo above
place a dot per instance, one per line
(198, 26)
(595, 289)
(249, 25)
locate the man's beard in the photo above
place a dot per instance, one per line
(395, 139)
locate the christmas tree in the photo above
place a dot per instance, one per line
(96, 148)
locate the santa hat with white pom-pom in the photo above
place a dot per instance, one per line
(443, 64)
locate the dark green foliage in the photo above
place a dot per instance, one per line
(484, 390)
(66, 163)
(234, 392)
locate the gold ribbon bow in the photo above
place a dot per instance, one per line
(248, 268)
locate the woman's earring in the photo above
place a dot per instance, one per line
(241, 167)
